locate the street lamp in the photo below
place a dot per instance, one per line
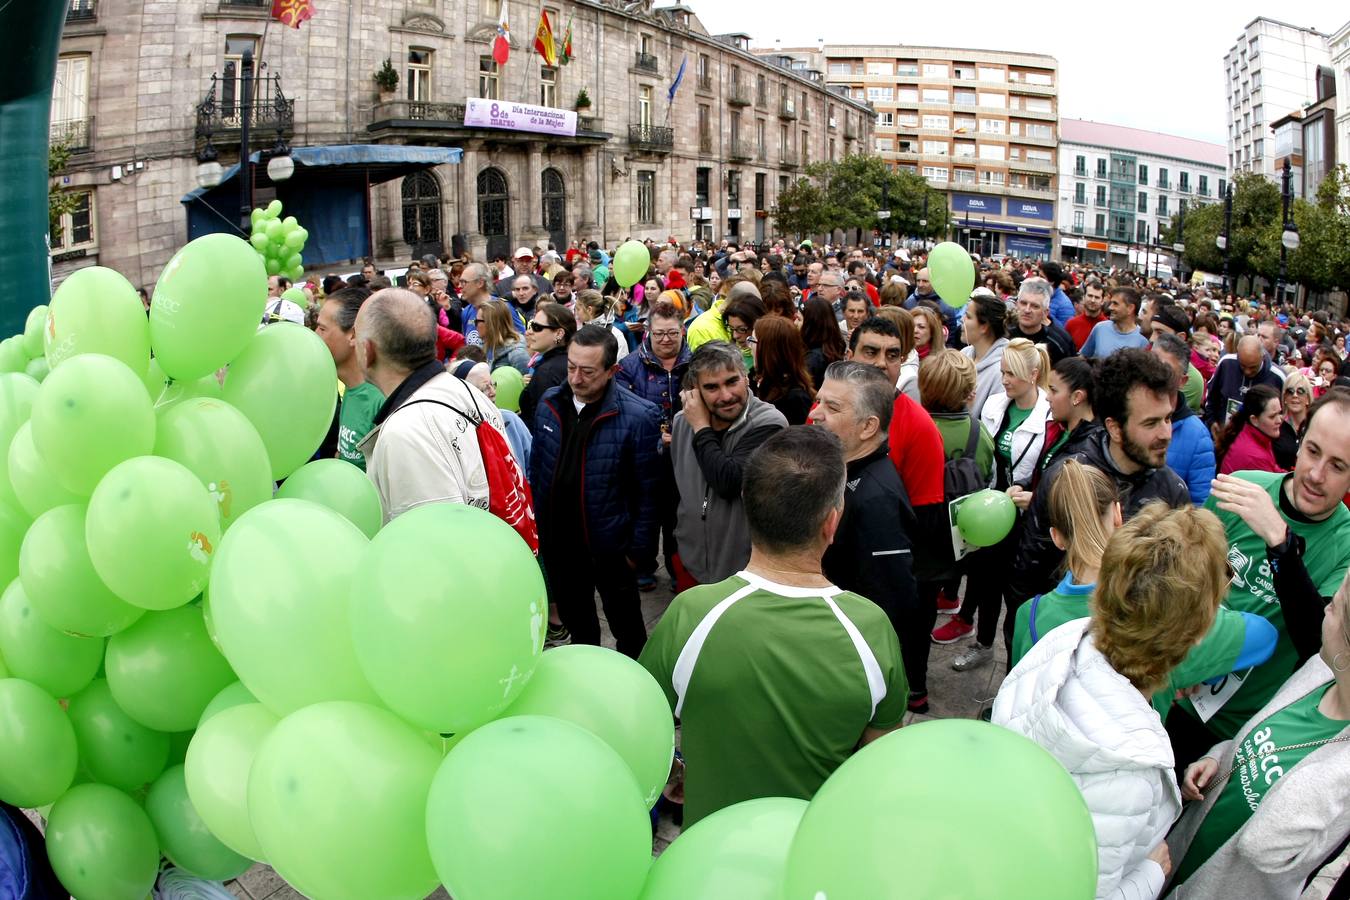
(1179, 245)
(1289, 238)
(923, 219)
(1222, 240)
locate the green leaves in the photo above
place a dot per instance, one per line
(848, 193)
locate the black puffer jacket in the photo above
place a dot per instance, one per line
(1034, 571)
(550, 371)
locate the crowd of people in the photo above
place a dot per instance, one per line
(786, 432)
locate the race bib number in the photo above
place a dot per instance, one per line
(1211, 697)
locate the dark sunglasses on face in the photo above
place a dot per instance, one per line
(537, 327)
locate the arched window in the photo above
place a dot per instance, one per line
(555, 208)
(493, 207)
(422, 213)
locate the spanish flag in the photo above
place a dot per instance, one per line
(292, 12)
(543, 40)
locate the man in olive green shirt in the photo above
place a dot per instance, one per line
(777, 675)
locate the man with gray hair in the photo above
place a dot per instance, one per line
(422, 448)
(475, 289)
(1191, 453)
(872, 553)
(720, 425)
(1034, 323)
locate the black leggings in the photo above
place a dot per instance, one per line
(915, 630)
(987, 572)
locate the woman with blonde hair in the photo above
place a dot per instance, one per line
(501, 342)
(1297, 396)
(594, 308)
(1082, 691)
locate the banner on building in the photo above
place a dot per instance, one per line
(1031, 209)
(480, 113)
(975, 204)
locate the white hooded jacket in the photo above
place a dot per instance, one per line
(1065, 696)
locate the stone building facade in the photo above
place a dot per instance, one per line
(145, 85)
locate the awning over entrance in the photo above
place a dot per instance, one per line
(328, 193)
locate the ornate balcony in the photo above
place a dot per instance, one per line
(220, 114)
(76, 135)
(652, 138)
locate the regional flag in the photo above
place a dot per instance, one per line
(567, 54)
(543, 40)
(679, 79)
(501, 45)
(292, 12)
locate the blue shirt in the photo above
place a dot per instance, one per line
(470, 330)
(1105, 339)
(1061, 307)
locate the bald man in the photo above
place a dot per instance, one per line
(1234, 376)
(423, 448)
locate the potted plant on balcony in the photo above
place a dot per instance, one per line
(583, 100)
(386, 76)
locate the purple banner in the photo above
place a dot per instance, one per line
(480, 113)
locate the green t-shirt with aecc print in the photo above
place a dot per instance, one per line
(1260, 759)
(1016, 416)
(1326, 556)
(774, 685)
(360, 405)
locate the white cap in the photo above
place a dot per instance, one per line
(523, 251)
(280, 310)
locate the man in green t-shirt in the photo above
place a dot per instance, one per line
(1289, 548)
(777, 675)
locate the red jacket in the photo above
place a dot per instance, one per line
(447, 342)
(916, 450)
(1251, 450)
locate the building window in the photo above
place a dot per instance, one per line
(991, 151)
(831, 149)
(936, 123)
(704, 130)
(419, 74)
(884, 143)
(701, 179)
(1078, 220)
(1162, 179)
(991, 75)
(1204, 185)
(761, 91)
(646, 196)
(784, 144)
(760, 149)
(70, 102)
(548, 86)
(1080, 193)
(492, 10)
(880, 94)
(487, 78)
(704, 71)
(993, 101)
(935, 148)
(1184, 178)
(1143, 202)
(989, 177)
(885, 120)
(806, 148)
(879, 68)
(963, 98)
(1101, 195)
(963, 176)
(76, 228)
(1099, 225)
(1139, 231)
(935, 173)
(1080, 165)
(907, 68)
(232, 73)
(1101, 168)
(645, 106)
(1223, 187)
(963, 73)
(907, 95)
(1162, 205)
(935, 95)
(1143, 174)
(965, 150)
(992, 126)
(964, 124)
(935, 70)
(908, 119)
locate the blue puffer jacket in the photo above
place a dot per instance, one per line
(642, 373)
(619, 475)
(1191, 453)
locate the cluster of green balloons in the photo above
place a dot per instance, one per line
(952, 273)
(631, 262)
(280, 242)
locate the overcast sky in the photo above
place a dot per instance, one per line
(1147, 64)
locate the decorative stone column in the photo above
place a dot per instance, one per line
(590, 196)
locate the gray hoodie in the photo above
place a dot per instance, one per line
(710, 527)
(988, 374)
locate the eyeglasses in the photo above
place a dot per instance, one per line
(537, 327)
(1300, 391)
(740, 329)
(665, 335)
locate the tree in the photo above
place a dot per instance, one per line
(800, 209)
(848, 193)
(1253, 241)
(60, 202)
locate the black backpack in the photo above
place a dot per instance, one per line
(961, 476)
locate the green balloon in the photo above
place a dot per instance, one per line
(33, 332)
(232, 695)
(208, 302)
(281, 613)
(60, 580)
(296, 273)
(272, 267)
(96, 310)
(164, 670)
(37, 745)
(217, 767)
(273, 209)
(222, 448)
(592, 834)
(337, 796)
(340, 486)
(259, 240)
(36, 488)
(952, 273)
(101, 844)
(89, 415)
(631, 262)
(737, 853)
(1042, 846)
(183, 836)
(178, 746)
(295, 239)
(37, 369)
(433, 650)
(614, 698)
(175, 392)
(4, 669)
(285, 382)
(14, 525)
(985, 517)
(12, 357)
(296, 296)
(151, 529)
(114, 748)
(510, 385)
(18, 390)
(155, 380)
(59, 663)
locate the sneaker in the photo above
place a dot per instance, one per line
(975, 656)
(947, 606)
(918, 703)
(952, 631)
(556, 635)
(646, 583)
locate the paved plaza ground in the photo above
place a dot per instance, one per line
(951, 694)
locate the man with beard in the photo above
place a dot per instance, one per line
(1081, 325)
(1133, 404)
(720, 425)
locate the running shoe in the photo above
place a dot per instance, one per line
(646, 583)
(976, 655)
(918, 703)
(952, 630)
(557, 635)
(948, 606)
